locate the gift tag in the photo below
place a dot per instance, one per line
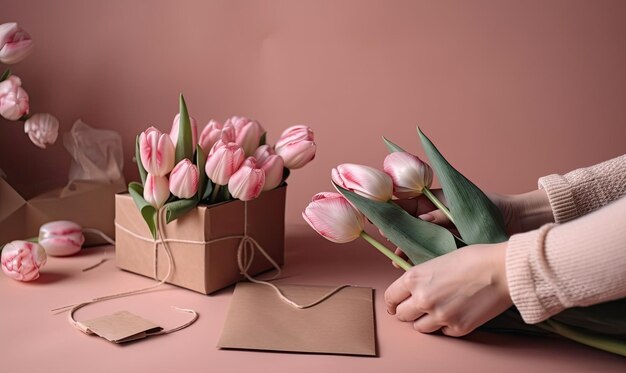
(120, 327)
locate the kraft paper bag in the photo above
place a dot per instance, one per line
(259, 320)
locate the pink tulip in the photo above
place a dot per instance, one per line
(42, 129)
(13, 98)
(157, 152)
(247, 183)
(272, 164)
(175, 129)
(15, 43)
(248, 133)
(156, 191)
(363, 180)
(61, 238)
(21, 260)
(332, 216)
(296, 146)
(223, 160)
(215, 131)
(184, 179)
(409, 174)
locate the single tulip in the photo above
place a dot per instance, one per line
(209, 135)
(61, 238)
(248, 133)
(156, 190)
(42, 129)
(184, 179)
(410, 174)
(175, 129)
(333, 217)
(247, 183)
(273, 167)
(263, 152)
(296, 146)
(13, 98)
(157, 152)
(15, 43)
(223, 160)
(363, 180)
(21, 260)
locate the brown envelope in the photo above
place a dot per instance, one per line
(259, 320)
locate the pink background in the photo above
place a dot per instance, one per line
(509, 90)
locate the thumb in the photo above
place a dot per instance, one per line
(436, 217)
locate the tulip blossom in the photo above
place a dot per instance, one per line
(184, 179)
(247, 183)
(13, 98)
(333, 217)
(409, 174)
(15, 43)
(248, 133)
(21, 260)
(157, 152)
(363, 180)
(272, 164)
(175, 129)
(42, 129)
(223, 160)
(61, 238)
(296, 146)
(156, 190)
(215, 131)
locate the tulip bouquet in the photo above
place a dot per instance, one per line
(226, 161)
(15, 45)
(365, 192)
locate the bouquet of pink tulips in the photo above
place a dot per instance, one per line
(365, 192)
(179, 170)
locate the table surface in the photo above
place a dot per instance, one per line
(34, 339)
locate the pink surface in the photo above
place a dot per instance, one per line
(32, 339)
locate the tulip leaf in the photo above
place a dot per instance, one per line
(143, 174)
(477, 219)
(393, 148)
(178, 208)
(5, 75)
(418, 239)
(148, 212)
(207, 190)
(202, 177)
(184, 146)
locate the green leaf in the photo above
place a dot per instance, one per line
(184, 146)
(148, 211)
(202, 177)
(418, 239)
(5, 75)
(476, 217)
(143, 174)
(263, 140)
(392, 147)
(207, 190)
(176, 209)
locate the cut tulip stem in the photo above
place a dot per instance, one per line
(216, 192)
(388, 253)
(437, 203)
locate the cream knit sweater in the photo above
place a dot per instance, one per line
(581, 259)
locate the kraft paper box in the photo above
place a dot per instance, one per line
(88, 203)
(204, 268)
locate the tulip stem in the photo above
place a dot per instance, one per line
(216, 192)
(437, 203)
(388, 253)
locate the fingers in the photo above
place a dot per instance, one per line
(396, 293)
(436, 217)
(408, 311)
(426, 324)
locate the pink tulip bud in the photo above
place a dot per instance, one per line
(157, 152)
(333, 217)
(209, 135)
(223, 160)
(156, 191)
(364, 181)
(61, 238)
(409, 174)
(15, 43)
(248, 133)
(175, 129)
(272, 164)
(184, 179)
(13, 98)
(21, 260)
(296, 146)
(42, 129)
(247, 183)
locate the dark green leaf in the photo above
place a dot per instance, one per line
(184, 146)
(143, 174)
(202, 177)
(208, 190)
(475, 216)
(5, 75)
(148, 211)
(176, 209)
(418, 239)
(392, 147)
(263, 140)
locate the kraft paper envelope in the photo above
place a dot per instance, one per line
(259, 320)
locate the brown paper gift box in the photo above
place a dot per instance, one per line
(204, 268)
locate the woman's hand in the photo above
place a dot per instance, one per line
(456, 292)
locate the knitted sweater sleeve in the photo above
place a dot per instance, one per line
(580, 262)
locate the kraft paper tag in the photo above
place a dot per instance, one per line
(259, 320)
(121, 327)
